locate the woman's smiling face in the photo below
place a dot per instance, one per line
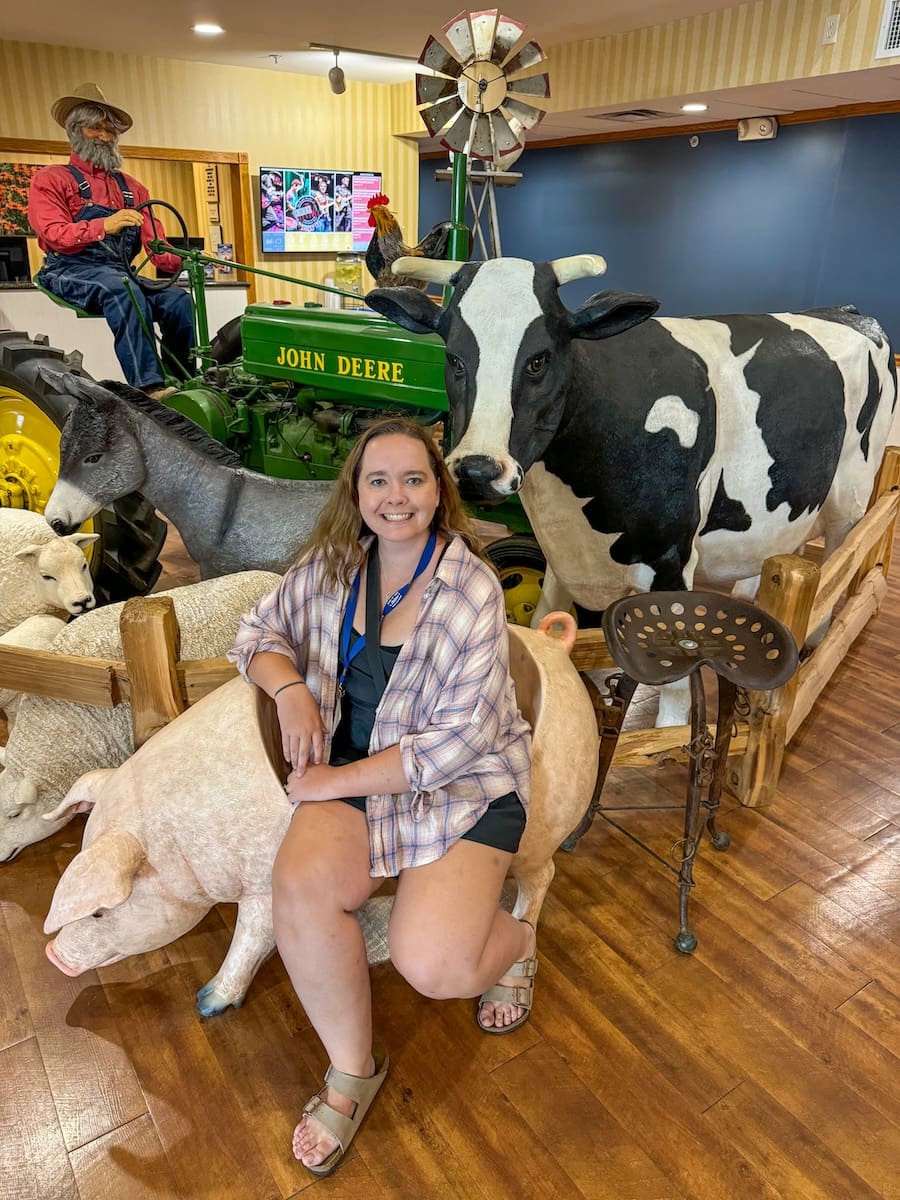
(398, 490)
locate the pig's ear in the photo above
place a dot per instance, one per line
(99, 877)
(81, 796)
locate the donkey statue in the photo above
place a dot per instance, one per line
(116, 440)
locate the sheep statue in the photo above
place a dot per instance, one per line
(41, 572)
(35, 633)
(195, 818)
(55, 741)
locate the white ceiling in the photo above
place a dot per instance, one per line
(276, 36)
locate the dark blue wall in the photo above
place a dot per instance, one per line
(807, 219)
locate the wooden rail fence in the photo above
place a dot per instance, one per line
(796, 590)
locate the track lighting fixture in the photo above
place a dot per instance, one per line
(336, 77)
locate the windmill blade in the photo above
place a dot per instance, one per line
(431, 88)
(438, 58)
(483, 26)
(509, 32)
(481, 143)
(529, 56)
(535, 86)
(440, 114)
(505, 137)
(526, 114)
(460, 132)
(458, 35)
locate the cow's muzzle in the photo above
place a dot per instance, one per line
(481, 477)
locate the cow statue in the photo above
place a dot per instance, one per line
(685, 449)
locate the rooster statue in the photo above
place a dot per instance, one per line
(387, 245)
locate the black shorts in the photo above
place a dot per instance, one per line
(501, 827)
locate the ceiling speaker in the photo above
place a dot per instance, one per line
(757, 129)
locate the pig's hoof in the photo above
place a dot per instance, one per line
(210, 1001)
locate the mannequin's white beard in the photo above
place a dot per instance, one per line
(95, 151)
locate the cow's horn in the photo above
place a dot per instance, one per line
(433, 270)
(578, 266)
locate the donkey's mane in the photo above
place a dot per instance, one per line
(183, 426)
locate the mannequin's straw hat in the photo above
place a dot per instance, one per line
(88, 93)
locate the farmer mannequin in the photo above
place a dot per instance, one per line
(83, 214)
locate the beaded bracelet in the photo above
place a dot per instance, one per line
(293, 683)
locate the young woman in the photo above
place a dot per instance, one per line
(386, 651)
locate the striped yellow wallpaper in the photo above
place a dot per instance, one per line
(276, 118)
(761, 42)
(280, 118)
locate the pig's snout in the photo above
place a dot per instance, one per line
(50, 951)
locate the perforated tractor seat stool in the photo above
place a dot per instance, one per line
(661, 637)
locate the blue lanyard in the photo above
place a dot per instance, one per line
(347, 653)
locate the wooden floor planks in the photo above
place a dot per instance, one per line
(766, 1065)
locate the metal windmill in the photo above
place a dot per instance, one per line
(485, 95)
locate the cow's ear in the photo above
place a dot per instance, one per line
(99, 877)
(407, 307)
(608, 313)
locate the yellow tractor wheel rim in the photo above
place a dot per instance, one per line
(29, 456)
(521, 592)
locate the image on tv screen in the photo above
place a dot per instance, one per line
(305, 209)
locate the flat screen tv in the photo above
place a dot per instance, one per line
(14, 259)
(191, 243)
(305, 209)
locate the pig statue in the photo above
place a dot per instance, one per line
(196, 815)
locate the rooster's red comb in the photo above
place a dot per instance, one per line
(378, 201)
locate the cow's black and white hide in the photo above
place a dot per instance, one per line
(680, 452)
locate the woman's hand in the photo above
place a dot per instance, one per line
(316, 782)
(302, 731)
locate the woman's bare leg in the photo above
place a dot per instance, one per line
(448, 935)
(321, 876)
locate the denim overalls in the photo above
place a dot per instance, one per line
(92, 279)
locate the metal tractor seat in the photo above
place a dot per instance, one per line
(79, 312)
(661, 637)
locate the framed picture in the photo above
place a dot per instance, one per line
(15, 180)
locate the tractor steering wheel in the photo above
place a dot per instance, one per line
(132, 271)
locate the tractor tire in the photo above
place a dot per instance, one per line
(124, 562)
(521, 564)
(227, 346)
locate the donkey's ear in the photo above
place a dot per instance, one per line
(98, 395)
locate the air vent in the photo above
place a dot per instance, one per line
(638, 114)
(889, 34)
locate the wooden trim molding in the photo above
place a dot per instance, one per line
(168, 153)
(807, 116)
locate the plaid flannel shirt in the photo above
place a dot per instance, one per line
(449, 703)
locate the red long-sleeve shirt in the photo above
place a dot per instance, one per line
(54, 202)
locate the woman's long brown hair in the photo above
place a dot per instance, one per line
(337, 532)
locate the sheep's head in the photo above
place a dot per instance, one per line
(62, 577)
(21, 817)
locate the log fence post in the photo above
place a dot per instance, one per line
(787, 590)
(887, 480)
(151, 647)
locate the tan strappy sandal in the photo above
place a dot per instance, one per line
(522, 995)
(361, 1091)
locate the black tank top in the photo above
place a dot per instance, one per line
(358, 704)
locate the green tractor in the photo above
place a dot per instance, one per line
(287, 388)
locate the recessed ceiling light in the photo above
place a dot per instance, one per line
(693, 108)
(207, 27)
